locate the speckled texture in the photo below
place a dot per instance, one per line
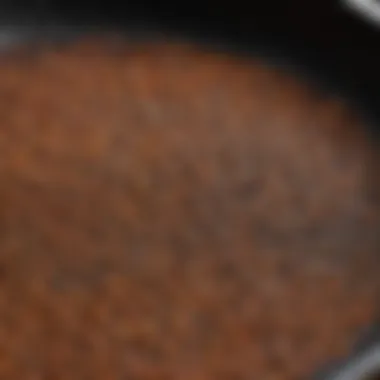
(168, 213)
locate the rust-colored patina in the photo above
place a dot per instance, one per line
(172, 213)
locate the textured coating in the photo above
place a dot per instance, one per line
(168, 213)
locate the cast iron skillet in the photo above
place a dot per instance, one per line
(364, 361)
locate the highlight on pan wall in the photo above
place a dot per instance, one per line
(368, 10)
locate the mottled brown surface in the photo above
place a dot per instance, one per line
(168, 213)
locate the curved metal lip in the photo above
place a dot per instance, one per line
(13, 35)
(362, 364)
(369, 10)
(368, 365)
(20, 30)
(365, 366)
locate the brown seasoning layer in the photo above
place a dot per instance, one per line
(172, 213)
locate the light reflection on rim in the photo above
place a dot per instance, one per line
(362, 364)
(366, 9)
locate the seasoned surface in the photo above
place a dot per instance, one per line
(168, 213)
